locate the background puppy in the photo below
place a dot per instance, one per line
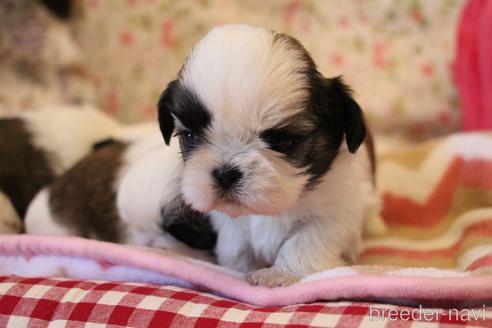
(270, 150)
(37, 146)
(127, 191)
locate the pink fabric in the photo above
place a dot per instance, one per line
(473, 67)
(212, 278)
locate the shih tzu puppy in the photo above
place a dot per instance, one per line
(273, 151)
(37, 146)
(126, 191)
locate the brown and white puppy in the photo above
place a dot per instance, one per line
(273, 151)
(37, 146)
(126, 191)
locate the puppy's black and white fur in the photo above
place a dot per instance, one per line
(273, 151)
(37, 146)
(126, 191)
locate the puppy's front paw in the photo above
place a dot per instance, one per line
(271, 277)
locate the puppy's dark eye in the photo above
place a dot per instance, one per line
(280, 141)
(189, 138)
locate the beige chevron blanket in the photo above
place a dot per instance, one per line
(437, 203)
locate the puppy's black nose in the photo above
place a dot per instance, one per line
(227, 177)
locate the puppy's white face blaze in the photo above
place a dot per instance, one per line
(249, 84)
(258, 123)
(245, 79)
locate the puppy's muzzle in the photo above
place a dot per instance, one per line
(227, 177)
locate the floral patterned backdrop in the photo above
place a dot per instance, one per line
(396, 55)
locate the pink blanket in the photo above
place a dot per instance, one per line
(81, 258)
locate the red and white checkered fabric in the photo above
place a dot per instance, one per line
(39, 302)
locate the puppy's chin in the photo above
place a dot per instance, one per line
(233, 210)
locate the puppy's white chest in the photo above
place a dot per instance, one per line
(249, 243)
(266, 236)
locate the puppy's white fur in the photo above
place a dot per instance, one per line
(249, 83)
(67, 133)
(148, 181)
(39, 219)
(250, 77)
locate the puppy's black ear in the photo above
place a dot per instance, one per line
(164, 107)
(352, 116)
(61, 9)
